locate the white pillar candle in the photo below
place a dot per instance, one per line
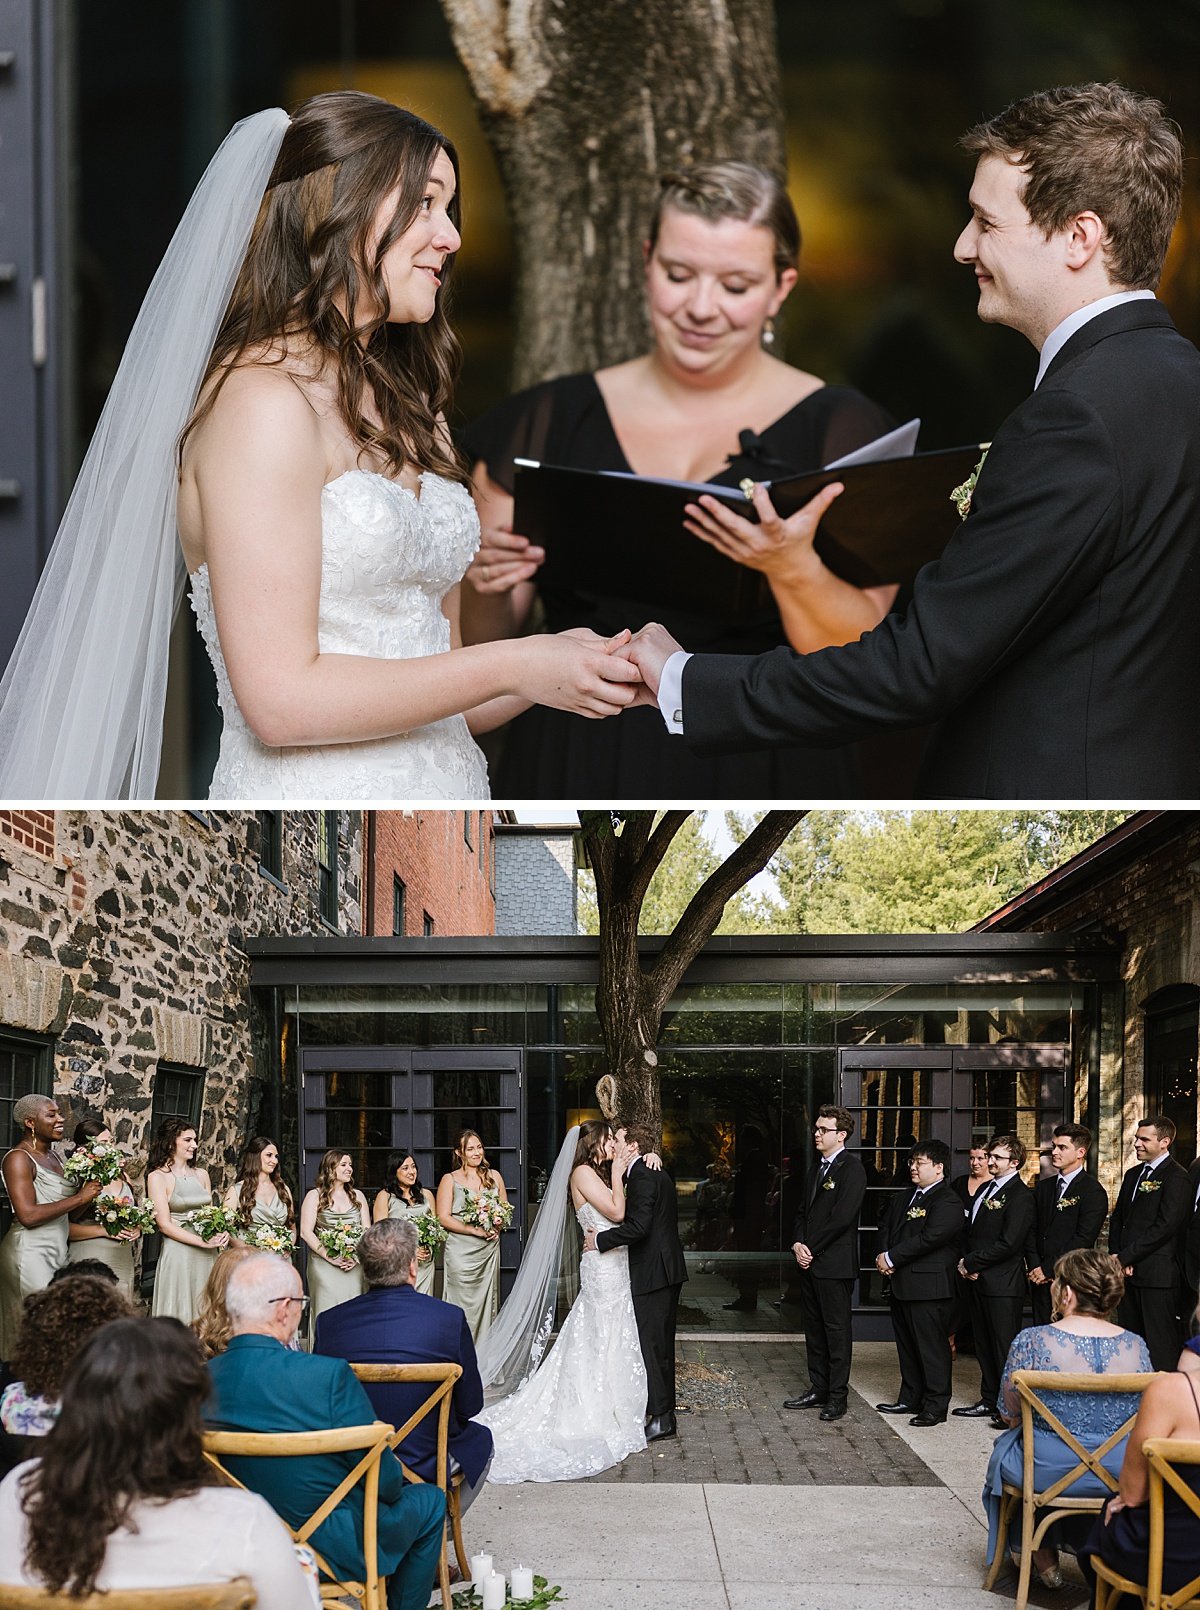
(521, 1582)
(493, 1591)
(481, 1564)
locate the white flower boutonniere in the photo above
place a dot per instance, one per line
(915, 1213)
(829, 1185)
(993, 1204)
(1150, 1185)
(1067, 1201)
(963, 493)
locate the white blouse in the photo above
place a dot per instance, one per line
(214, 1535)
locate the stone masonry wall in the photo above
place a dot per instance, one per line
(121, 936)
(535, 882)
(442, 874)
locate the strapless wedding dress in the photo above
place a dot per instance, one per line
(388, 558)
(584, 1407)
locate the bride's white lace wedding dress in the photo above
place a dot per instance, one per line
(584, 1408)
(388, 558)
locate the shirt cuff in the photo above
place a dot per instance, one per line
(888, 1260)
(670, 690)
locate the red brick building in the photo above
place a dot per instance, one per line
(430, 873)
(1140, 885)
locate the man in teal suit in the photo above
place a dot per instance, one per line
(260, 1385)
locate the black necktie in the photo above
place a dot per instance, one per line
(1062, 1186)
(982, 1198)
(915, 1197)
(1142, 1177)
(822, 1175)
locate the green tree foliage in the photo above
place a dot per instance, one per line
(691, 858)
(851, 872)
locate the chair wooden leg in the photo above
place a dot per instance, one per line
(460, 1547)
(444, 1573)
(1026, 1572)
(1001, 1554)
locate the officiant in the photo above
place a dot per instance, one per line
(709, 401)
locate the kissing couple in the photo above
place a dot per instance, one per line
(607, 1387)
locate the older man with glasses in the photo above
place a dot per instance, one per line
(260, 1385)
(1000, 1222)
(825, 1245)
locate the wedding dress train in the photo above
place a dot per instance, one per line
(388, 558)
(584, 1408)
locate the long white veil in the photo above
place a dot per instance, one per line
(513, 1347)
(81, 703)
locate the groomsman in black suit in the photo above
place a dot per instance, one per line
(998, 1229)
(1055, 639)
(825, 1242)
(1071, 1208)
(1144, 1231)
(920, 1240)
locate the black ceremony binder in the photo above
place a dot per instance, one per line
(623, 534)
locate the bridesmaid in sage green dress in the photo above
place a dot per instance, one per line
(471, 1267)
(87, 1238)
(177, 1188)
(41, 1197)
(260, 1196)
(332, 1202)
(404, 1197)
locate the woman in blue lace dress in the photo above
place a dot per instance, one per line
(1081, 1341)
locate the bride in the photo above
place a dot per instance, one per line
(277, 428)
(583, 1407)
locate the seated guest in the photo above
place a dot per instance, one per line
(55, 1323)
(212, 1324)
(394, 1323)
(1087, 1287)
(260, 1385)
(1170, 1407)
(89, 1268)
(122, 1496)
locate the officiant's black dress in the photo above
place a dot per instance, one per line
(549, 754)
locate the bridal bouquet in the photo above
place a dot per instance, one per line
(431, 1235)
(207, 1222)
(114, 1214)
(341, 1241)
(267, 1238)
(484, 1210)
(100, 1161)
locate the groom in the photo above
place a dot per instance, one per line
(650, 1230)
(1056, 637)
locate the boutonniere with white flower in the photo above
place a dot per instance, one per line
(965, 491)
(915, 1213)
(993, 1204)
(828, 1185)
(1150, 1185)
(1067, 1201)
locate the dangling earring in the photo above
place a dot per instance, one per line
(768, 331)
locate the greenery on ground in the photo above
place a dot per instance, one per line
(852, 872)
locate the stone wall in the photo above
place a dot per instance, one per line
(442, 874)
(535, 881)
(121, 939)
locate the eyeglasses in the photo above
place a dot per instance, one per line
(999, 1157)
(303, 1301)
(825, 1129)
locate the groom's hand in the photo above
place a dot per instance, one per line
(649, 650)
(589, 1240)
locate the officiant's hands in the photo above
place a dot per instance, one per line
(780, 549)
(504, 560)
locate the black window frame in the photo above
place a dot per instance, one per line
(428, 925)
(39, 1081)
(270, 844)
(328, 847)
(399, 905)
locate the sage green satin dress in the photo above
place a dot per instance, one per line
(271, 1215)
(471, 1274)
(118, 1255)
(183, 1270)
(28, 1258)
(415, 1212)
(327, 1285)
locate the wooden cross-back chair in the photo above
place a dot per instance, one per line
(371, 1441)
(442, 1377)
(235, 1595)
(1164, 1456)
(1041, 1507)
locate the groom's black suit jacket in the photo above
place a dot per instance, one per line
(1056, 639)
(650, 1230)
(827, 1218)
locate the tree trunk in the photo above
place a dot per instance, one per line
(585, 103)
(626, 848)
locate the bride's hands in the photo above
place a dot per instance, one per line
(652, 1161)
(623, 1154)
(579, 672)
(781, 549)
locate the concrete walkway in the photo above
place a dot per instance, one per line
(730, 1543)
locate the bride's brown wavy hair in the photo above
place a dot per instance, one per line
(342, 154)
